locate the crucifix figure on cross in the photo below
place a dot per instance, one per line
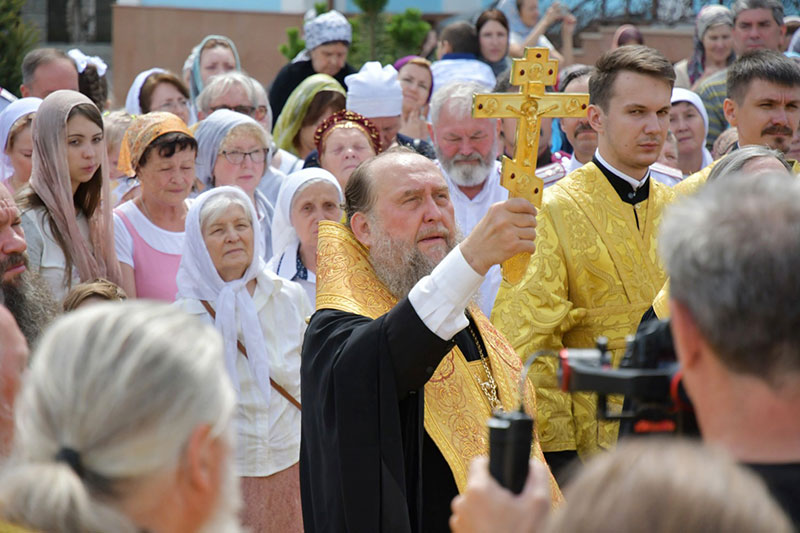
(533, 72)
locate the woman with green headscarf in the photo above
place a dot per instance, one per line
(315, 99)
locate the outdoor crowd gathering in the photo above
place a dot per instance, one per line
(228, 306)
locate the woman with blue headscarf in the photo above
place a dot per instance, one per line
(233, 149)
(214, 55)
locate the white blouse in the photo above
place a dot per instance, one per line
(45, 254)
(268, 435)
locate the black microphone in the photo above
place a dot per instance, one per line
(510, 440)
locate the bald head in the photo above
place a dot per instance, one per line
(46, 70)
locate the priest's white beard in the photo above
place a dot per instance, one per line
(400, 265)
(465, 175)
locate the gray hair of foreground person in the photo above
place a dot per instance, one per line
(734, 162)
(122, 402)
(731, 252)
(667, 485)
(221, 84)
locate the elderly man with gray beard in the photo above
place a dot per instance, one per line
(466, 150)
(25, 294)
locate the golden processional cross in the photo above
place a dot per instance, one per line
(533, 72)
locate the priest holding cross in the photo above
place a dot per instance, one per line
(595, 269)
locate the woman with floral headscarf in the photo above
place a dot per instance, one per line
(148, 230)
(66, 211)
(713, 47)
(328, 38)
(223, 280)
(314, 100)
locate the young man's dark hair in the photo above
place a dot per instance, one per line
(639, 59)
(765, 65)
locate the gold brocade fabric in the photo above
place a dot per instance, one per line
(456, 410)
(5, 527)
(593, 273)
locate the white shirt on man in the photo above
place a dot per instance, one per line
(468, 212)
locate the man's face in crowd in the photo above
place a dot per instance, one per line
(756, 29)
(466, 147)
(388, 128)
(633, 128)
(412, 225)
(767, 114)
(329, 58)
(12, 241)
(50, 77)
(578, 130)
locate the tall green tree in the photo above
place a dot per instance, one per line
(17, 37)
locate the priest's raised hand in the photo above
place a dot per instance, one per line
(507, 229)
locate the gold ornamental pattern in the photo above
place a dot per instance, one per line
(456, 410)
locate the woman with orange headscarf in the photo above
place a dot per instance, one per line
(148, 230)
(66, 210)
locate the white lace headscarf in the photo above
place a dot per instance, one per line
(198, 279)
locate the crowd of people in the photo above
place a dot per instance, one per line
(229, 307)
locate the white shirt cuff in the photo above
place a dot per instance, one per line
(441, 297)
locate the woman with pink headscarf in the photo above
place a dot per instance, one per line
(66, 211)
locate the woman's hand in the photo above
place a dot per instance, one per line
(415, 123)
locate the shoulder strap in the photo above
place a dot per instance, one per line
(283, 392)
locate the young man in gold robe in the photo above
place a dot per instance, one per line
(595, 269)
(400, 372)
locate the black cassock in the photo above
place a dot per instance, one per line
(366, 462)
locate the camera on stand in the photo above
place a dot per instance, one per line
(649, 377)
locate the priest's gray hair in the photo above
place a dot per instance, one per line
(736, 160)
(222, 83)
(121, 387)
(219, 204)
(457, 96)
(732, 252)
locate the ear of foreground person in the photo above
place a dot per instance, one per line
(123, 425)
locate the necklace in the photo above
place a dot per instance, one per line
(489, 387)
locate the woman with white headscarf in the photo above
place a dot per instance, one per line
(233, 149)
(688, 120)
(223, 280)
(158, 90)
(16, 142)
(306, 198)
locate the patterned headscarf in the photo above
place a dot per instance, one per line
(708, 17)
(326, 28)
(196, 85)
(348, 119)
(50, 180)
(291, 118)
(144, 130)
